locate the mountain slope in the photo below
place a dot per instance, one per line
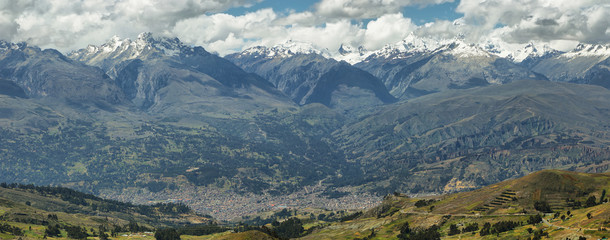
(464, 139)
(588, 64)
(33, 211)
(417, 68)
(164, 75)
(308, 77)
(10, 88)
(49, 74)
(561, 189)
(507, 208)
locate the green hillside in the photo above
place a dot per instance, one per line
(28, 211)
(506, 205)
(551, 203)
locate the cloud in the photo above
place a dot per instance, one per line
(64, 23)
(366, 9)
(386, 29)
(543, 20)
(220, 32)
(68, 25)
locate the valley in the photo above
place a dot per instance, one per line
(547, 204)
(176, 123)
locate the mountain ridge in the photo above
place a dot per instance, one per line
(157, 73)
(311, 77)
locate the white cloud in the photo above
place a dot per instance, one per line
(68, 25)
(359, 9)
(222, 32)
(543, 20)
(329, 36)
(63, 24)
(388, 28)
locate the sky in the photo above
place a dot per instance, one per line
(226, 26)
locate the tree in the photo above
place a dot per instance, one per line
(52, 231)
(471, 228)
(430, 233)
(404, 231)
(542, 206)
(167, 234)
(486, 229)
(453, 230)
(76, 232)
(291, 228)
(534, 219)
(102, 230)
(103, 236)
(591, 201)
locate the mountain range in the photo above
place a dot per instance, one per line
(309, 77)
(418, 66)
(154, 118)
(165, 75)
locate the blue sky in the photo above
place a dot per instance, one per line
(430, 13)
(277, 5)
(419, 14)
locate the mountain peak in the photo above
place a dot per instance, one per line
(584, 50)
(407, 47)
(285, 50)
(459, 48)
(4, 46)
(531, 50)
(351, 54)
(145, 37)
(145, 45)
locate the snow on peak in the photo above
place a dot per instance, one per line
(351, 54)
(5, 46)
(459, 48)
(531, 50)
(286, 50)
(112, 45)
(144, 44)
(586, 50)
(411, 44)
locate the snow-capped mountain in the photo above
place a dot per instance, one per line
(309, 76)
(49, 74)
(419, 66)
(143, 47)
(460, 49)
(406, 48)
(589, 50)
(587, 63)
(527, 55)
(7, 46)
(155, 72)
(531, 51)
(285, 50)
(351, 54)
